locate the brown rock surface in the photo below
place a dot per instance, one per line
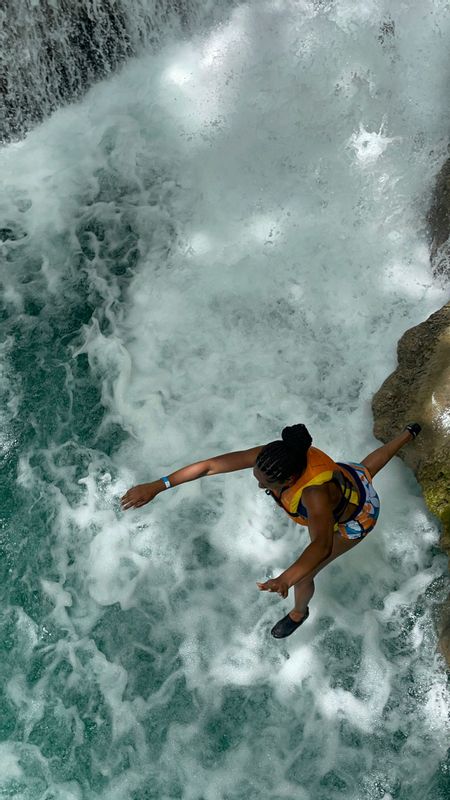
(419, 390)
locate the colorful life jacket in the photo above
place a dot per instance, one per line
(320, 469)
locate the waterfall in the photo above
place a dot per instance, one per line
(51, 51)
(223, 237)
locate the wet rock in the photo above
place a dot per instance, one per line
(419, 389)
(439, 224)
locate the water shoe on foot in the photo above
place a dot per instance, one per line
(414, 428)
(284, 627)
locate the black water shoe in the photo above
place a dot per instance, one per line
(414, 429)
(284, 627)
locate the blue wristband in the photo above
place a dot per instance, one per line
(166, 482)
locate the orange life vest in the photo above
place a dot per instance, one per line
(319, 470)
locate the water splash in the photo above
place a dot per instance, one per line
(369, 146)
(205, 263)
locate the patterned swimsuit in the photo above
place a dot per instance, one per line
(366, 515)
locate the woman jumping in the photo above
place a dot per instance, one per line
(336, 501)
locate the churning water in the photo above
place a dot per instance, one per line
(226, 237)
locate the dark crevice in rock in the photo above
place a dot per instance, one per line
(439, 224)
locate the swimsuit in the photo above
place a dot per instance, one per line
(366, 515)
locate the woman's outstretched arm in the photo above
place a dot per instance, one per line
(228, 462)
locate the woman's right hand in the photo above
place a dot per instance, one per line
(139, 495)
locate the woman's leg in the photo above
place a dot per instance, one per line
(304, 590)
(375, 461)
(380, 457)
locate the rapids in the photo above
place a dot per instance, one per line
(226, 237)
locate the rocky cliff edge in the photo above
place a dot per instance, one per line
(419, 390)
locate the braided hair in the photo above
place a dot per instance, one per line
(282, 459)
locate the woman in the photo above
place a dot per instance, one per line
(335, 500)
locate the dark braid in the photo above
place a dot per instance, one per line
(281, 460)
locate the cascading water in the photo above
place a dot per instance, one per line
(223, 239)
(52, 50)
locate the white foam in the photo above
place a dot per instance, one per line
(9, 762)
(370, 145)
(280, 259)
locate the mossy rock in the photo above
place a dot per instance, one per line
(435, 482)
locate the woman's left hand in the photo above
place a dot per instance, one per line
(274, 585)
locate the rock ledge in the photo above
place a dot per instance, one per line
(419, 390)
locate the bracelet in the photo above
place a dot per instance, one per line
(166, 482)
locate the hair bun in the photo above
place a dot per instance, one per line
(297, 437)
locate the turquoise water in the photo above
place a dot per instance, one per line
(226, 237)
